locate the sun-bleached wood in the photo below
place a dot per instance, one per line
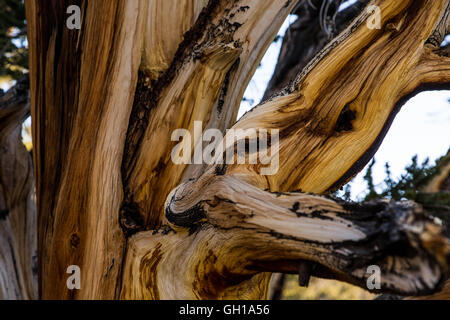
(205, 83)
(344, 101)
(18, 250)
(166, 23)
(341, 104)
(227, 232)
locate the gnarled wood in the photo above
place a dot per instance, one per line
(344, 101)
(18, 250)
(103, 167)
(205, 83)
(341, 104)
(302, 41)
(305, 38)
(230, 231)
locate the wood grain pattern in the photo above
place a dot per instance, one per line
(205, 83)
(228, 235)
(105, 100)
(82, 88)
(331, 120)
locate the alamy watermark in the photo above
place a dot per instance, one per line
(74, 20)
(239, 146)
(374, 21)
(374, 280)
(74, 280)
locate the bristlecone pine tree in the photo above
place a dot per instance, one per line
(106, 98)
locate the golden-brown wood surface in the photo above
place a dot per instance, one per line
(18, 256)
(105, 100)
(227, 235)
(82, 88)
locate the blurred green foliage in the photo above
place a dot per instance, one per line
(13, 45)
(416, 176)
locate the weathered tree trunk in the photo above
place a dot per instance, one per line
(106, 98)
(82, 88)
(306, 37)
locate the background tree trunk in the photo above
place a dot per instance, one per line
(18, 256)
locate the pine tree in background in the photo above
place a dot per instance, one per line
(369, 180)
(411, 185)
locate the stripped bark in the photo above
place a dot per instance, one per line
(298, 109)
(82, 88)
(242, 231)
(205, 83)
(303, 39)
